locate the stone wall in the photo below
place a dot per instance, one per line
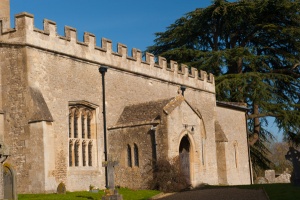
(233, 124)
(14, 93)
(5, 13)
(132, 176)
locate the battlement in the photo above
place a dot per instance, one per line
(49, 40)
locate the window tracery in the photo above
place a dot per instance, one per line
(82, 135)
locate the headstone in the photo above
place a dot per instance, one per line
(261, 180)
(61, 188)
(111, 193)
(294, 156)
(283, 178)
(270, 176)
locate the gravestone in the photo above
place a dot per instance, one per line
(270, 176)
(261, 180)
(283, 178)
(61, 188)
(111, 193)
(294, 156)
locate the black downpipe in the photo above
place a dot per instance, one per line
(249, 152)
(103, 70)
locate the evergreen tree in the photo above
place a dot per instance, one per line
(252, 48)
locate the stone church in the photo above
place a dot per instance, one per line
(51, 120)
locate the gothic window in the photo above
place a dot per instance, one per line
(82, 133)
(90, 153)
(129, 161)
(136, 155)
(235, 144)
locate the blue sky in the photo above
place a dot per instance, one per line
(130, 22)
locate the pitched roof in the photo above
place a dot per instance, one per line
(233, 105)
(143, 112)
(149, 112)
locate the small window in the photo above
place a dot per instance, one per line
(235, 145)
(129, 161)
(136, 156)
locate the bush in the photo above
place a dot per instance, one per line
(167, 176)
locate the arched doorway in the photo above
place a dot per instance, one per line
(8, 179)
(184, 156)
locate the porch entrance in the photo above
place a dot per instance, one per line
(8, 183)
(184, 156)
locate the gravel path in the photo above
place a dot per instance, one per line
(217, 194)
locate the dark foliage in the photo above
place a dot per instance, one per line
(167, 176)
(252, 47)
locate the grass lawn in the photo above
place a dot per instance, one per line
(274, 191)
(278, 191)
(127, 195)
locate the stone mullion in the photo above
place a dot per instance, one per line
(79, 152)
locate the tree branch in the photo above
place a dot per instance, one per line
(268, 114)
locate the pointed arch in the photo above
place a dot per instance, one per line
(9, 181)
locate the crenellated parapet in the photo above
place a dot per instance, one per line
(49, 40)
